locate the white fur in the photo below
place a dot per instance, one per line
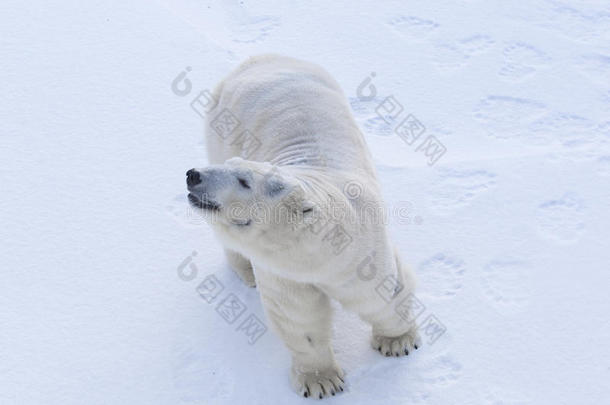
(309, 142)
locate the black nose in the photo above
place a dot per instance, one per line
(192, 178)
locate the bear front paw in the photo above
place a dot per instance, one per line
(397, 346)
(319, 383)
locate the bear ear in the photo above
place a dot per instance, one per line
(275, 185)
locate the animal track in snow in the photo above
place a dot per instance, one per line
(450, 56)
(377, 126)
(255, 29)
(522, 60)
(507, 117)
(475, 44)
(530, 121)
(412, 27)
(441, 276)
(456, 189)
(441, 371)
(603, 138)
(505, 283)
(596, 67)
(568, 129)
(369, 120)
(603, 166)
(561, 220)
(604, 129)
(577, 24)
(364, 109)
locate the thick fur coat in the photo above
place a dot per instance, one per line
(293, 196)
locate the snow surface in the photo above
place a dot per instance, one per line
(508, 231)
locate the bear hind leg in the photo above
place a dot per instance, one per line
(301, 314)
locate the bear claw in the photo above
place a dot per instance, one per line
(398, 345)
(318, 383)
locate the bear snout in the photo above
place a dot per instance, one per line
(192, 178)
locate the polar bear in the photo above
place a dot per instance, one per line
(292, 195)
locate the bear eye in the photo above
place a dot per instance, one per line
(243, 183)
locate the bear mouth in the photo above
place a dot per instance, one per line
(242, 223)
(201, 201)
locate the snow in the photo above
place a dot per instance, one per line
(507, 231)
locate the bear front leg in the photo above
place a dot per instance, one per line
(382, 295)
(394, 334)
(242, 267)
(394, 329)
(301, 314)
